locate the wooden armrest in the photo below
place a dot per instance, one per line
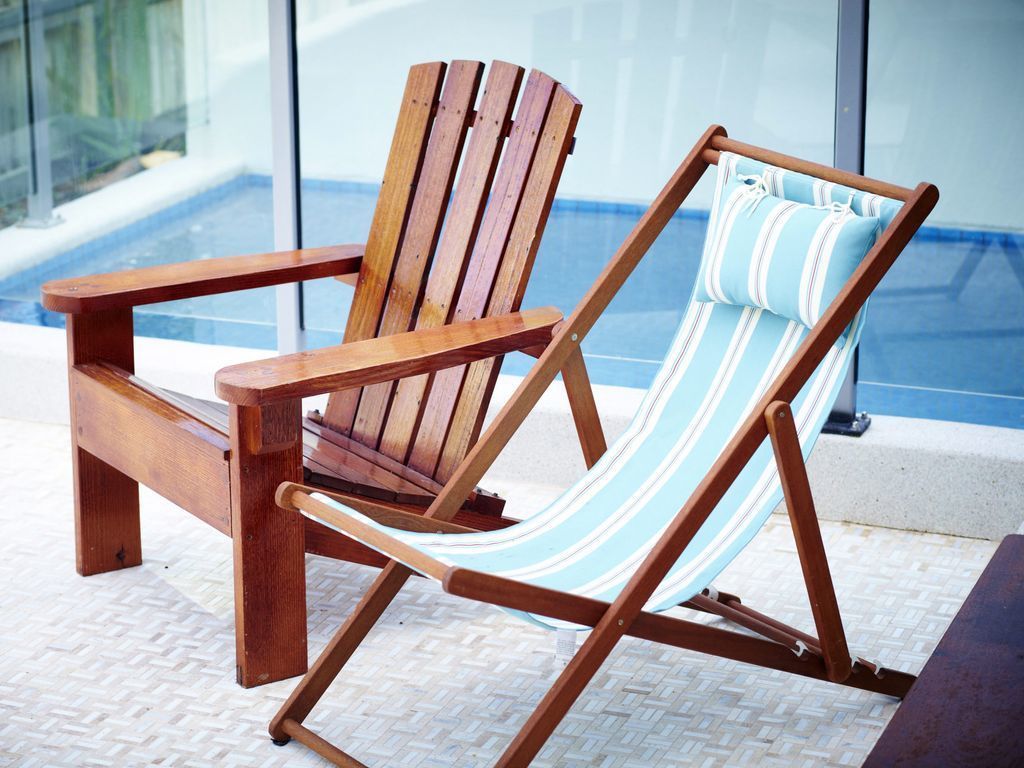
(188, 279)
(387, 358)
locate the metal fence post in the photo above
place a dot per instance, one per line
(40, 178)
(851, 95)
(284, 123)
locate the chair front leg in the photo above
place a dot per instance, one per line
(268, 544)
(334, 657)
(563, 694)
(107, 531)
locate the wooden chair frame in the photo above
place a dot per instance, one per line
(781, 647)
(467, 189)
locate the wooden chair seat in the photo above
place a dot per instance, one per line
(334, 461)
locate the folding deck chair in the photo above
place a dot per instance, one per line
(792, 253)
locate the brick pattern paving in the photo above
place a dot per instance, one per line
(136, 668)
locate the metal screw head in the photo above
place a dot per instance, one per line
(621, 622)
(574, 337)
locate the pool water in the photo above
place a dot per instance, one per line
(944, 337)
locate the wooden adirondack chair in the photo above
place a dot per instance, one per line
(434, 293)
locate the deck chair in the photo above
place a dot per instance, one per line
(441, 265)
(720, 439)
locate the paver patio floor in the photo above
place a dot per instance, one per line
(137, 668)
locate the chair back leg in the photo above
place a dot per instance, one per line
(809, 547)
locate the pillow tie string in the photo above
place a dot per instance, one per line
(840, 210)
(754, 193)
(757, 190)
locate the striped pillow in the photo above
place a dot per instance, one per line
(787, 257)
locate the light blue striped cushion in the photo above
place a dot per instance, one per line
(788, 257)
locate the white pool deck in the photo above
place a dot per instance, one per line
(110, 208)
(136, 668)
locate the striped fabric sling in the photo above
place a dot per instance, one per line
(725, 354)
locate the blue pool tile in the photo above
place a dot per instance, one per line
(944, 337)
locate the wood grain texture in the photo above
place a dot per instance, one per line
(405, 159)
(965, 707)
(433, 191)
(516, 266)
(589, 309)
(485, 261)
(738, 614)
(108, 534)
(572, 331)
(723, 143)
(151, 441)
(392, 517)
(319, 455)
(396, 468)
(364, 532)
(356, 474)
(181, 450)
(385, 358)
(268, 544)
(457, 240)
(809, 546)
(353, 467)
(324, 452)
(730, 607)
(584, 408)
(169, 282)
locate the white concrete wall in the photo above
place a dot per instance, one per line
(945, 84)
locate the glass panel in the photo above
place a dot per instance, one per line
(14, 125)
(158, 151)
(945, 338)
(651, 76)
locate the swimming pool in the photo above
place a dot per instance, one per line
(944, 337)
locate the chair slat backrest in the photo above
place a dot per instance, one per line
(485, 246)
(510, 283)
(460, 234)
(433, 190)
(408, 147)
